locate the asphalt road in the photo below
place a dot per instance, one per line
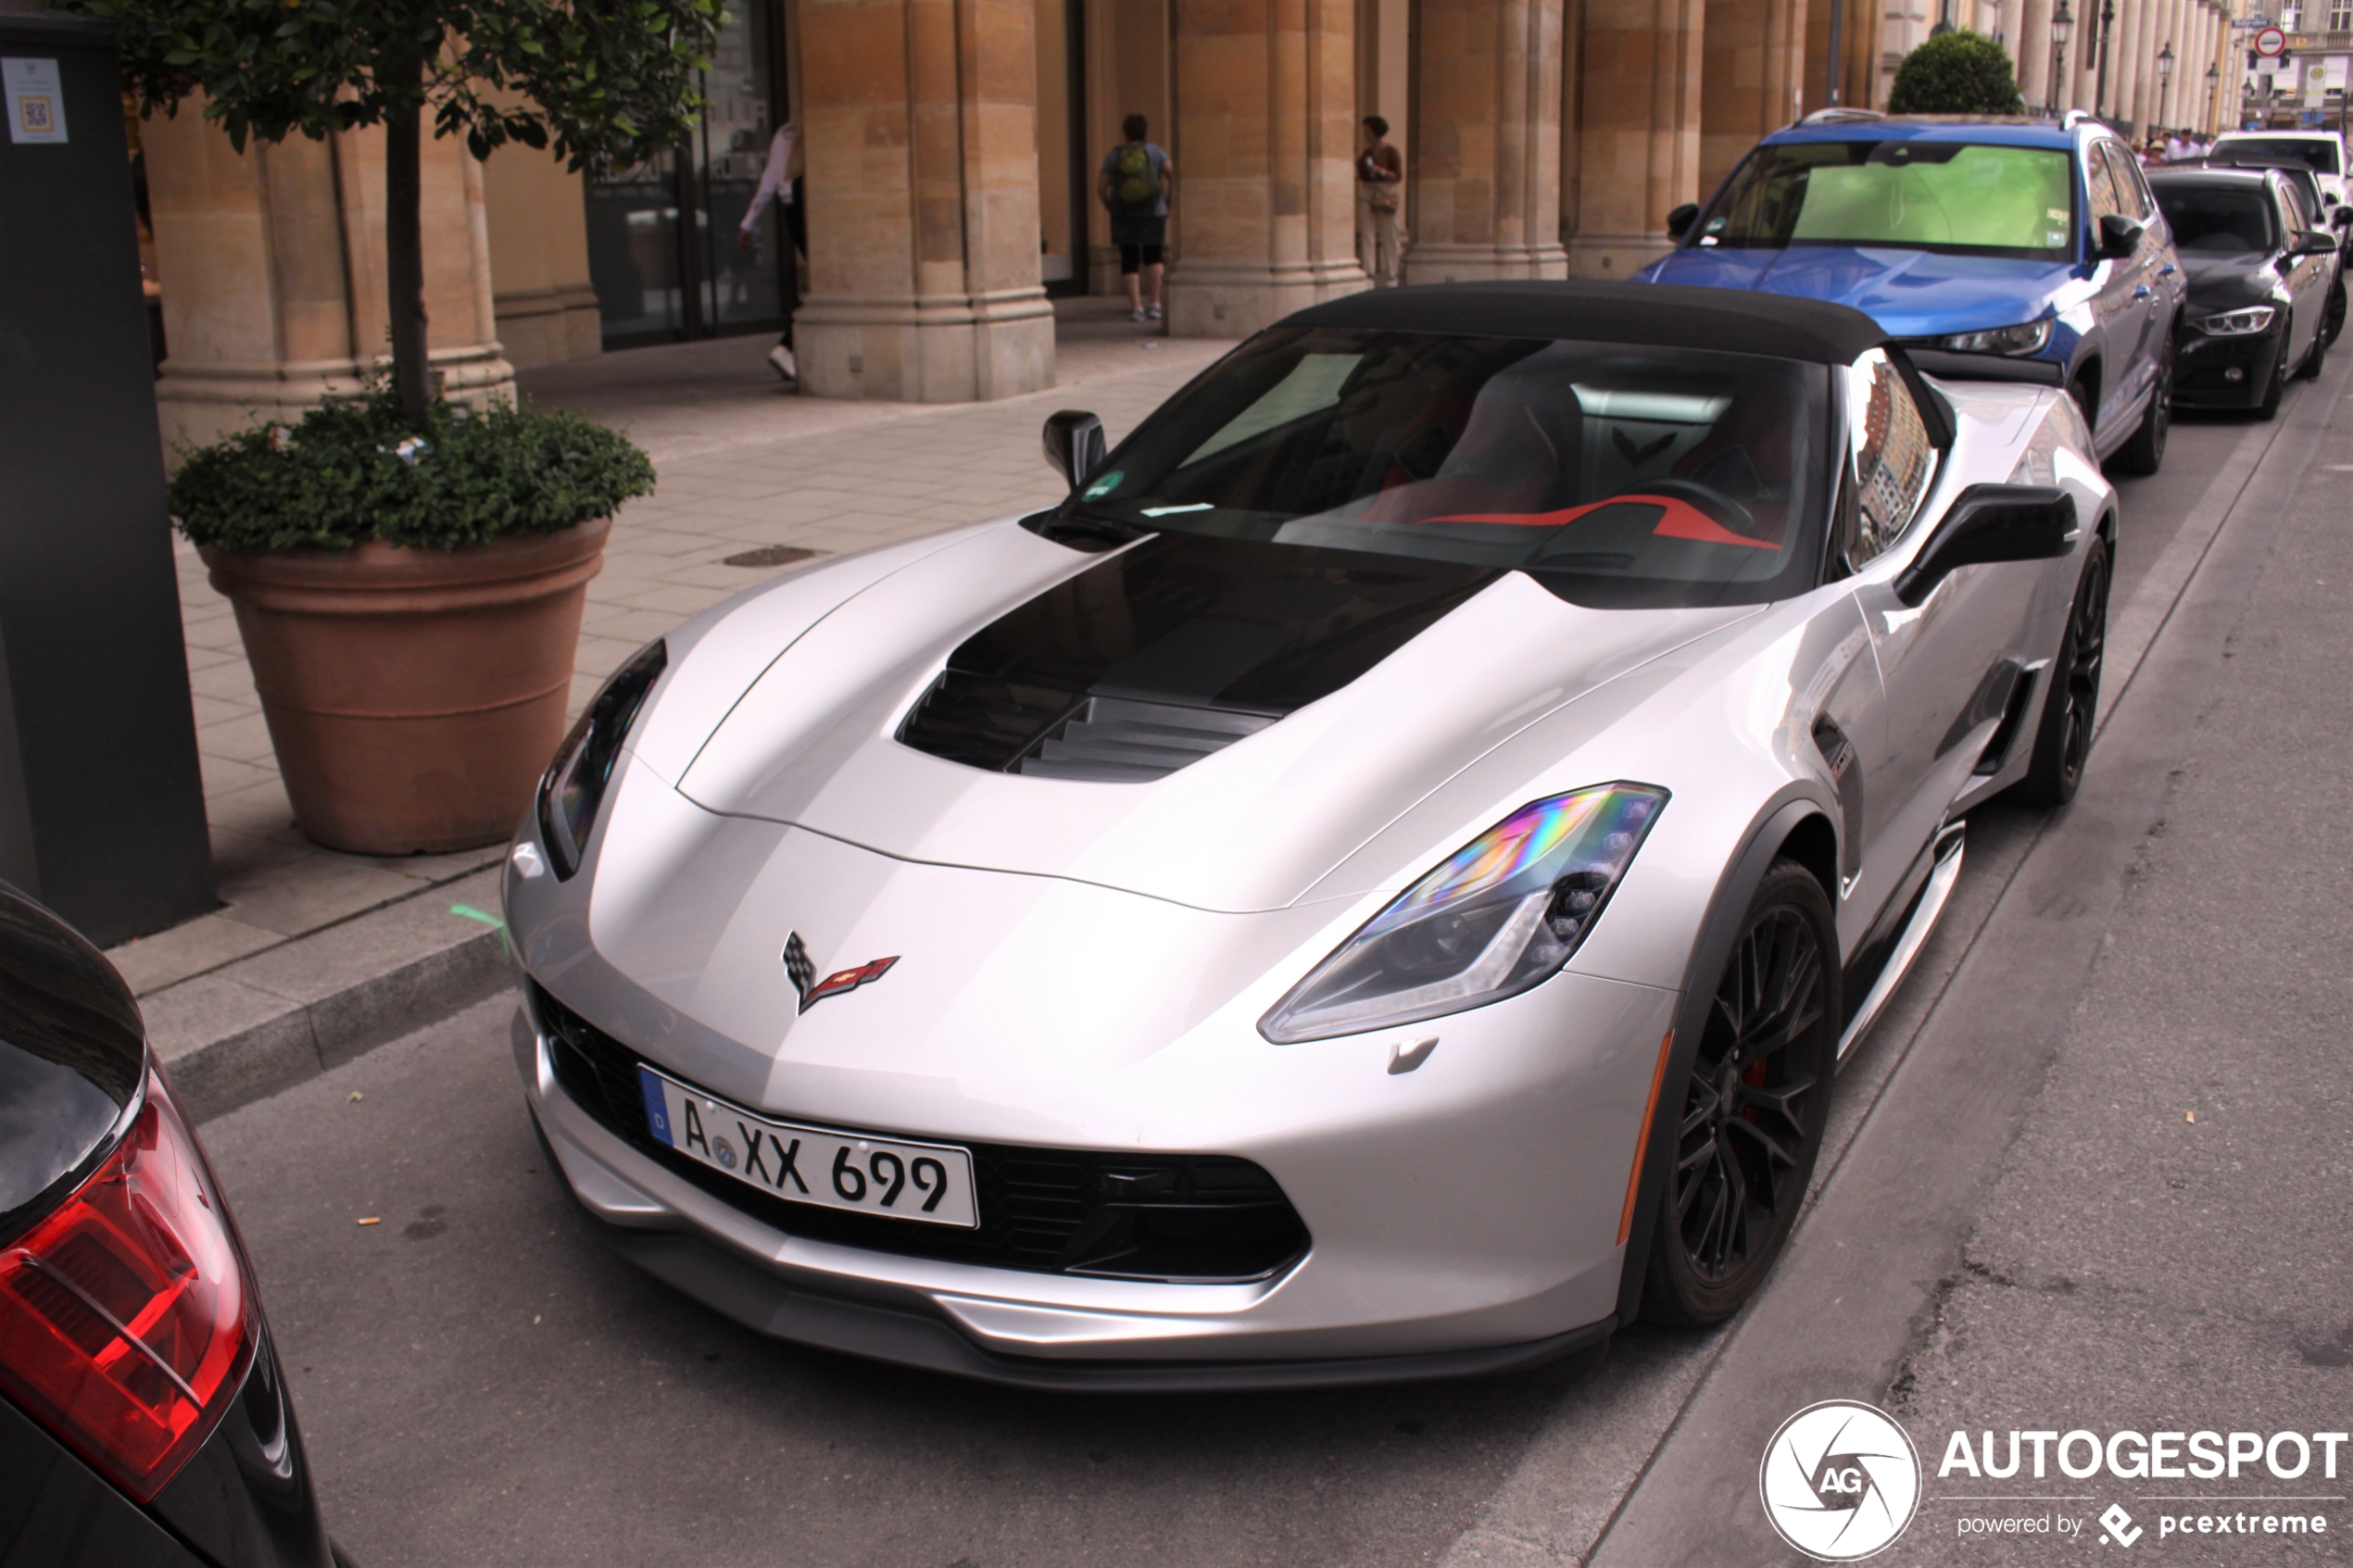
(2014, 1218)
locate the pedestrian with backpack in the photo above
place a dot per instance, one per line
(1134, 186)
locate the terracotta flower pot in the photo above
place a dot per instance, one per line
(413, 695)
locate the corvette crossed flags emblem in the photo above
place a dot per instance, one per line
(813, 990)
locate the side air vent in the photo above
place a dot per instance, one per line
(1116, 740)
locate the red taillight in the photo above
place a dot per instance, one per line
(126, 1317)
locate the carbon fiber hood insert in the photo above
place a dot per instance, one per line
(1172, 649)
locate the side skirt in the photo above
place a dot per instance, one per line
(1927, 905)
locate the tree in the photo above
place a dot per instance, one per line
(605, 81)
(1956, 74)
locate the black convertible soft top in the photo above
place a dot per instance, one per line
(1739, 320)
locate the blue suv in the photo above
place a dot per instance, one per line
(1994, 249)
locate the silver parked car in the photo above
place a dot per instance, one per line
(1375, 883)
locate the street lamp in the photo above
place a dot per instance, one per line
(2214, 83)
(2062, 28)
(2164, 80)
(2108, 30)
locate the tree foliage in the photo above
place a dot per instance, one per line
(602, 82)
(1956, 72)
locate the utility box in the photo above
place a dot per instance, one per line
(101, 800)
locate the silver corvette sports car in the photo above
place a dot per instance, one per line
(1376, 884)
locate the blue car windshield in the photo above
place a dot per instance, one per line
(1614, 475)
(1956, 197)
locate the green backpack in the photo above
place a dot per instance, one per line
(1133, 187)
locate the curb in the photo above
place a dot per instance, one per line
(245, 1031)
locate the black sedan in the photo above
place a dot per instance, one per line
(2258, 281)
(142, 1420)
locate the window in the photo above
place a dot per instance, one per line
(2217, 219)
(1614, 475)
(1893, 458)
(1958, 197)
(2107, 195)
(2340, 15)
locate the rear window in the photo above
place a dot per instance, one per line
(1614, 475)
(1953, 197)
(2217, 218)
(2322, 155)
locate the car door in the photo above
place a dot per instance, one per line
(2134, 372)
(2307, 275)
(2159, 272)
(1947, 665)
(2120, 309)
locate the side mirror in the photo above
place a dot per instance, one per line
(2119, 236)
(1680, 221)
(2315, 241)
(1075, 445)
(1988, 523)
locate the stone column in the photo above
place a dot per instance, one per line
(1638, 150)
(273, 268)
(1753, 68)
(1266, 162)
(2032, 49)
(539, 256)
(922, 120)
(1486, 181)
(2145, 66)
(1859, 29)
(2122, 54)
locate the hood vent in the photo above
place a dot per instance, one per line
(1171, 649)
(1008, 727)
(1114, 740)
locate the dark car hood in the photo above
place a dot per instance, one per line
(2219, 280)
(1910, 292)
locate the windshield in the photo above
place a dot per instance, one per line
(1952, 196)
(2314, 152)
(1614, 475)
(2214, 218)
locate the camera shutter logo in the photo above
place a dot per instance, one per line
(1840, 1480)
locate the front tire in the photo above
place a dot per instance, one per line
(1751, 1108)
(2316, 361)
(2070, 705)
(2145, 453)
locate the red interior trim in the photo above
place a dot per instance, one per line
(1681, 520)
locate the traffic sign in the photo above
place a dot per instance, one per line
(2270, 42)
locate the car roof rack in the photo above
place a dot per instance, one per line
(1840, 117)
(2074, 117)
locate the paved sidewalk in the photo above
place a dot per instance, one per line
(745, 466)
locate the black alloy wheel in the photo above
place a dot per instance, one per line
(1752, 1107)
(2316, 358)
(2332, 323)
(2072, 704)
(2145, 453)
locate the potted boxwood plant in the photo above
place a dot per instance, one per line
(408, 581)
(409, 602)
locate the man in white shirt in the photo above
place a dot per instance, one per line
(780, 181)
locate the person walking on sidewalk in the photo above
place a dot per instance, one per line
(1134, 186)
(1381, 189)
(780, 181)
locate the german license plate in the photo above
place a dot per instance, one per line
(931, 1183)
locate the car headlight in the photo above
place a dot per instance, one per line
(2026, 338)
(2236, 323)
(574, 784)
(1500, 915)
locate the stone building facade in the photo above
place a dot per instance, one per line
(951, 150)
